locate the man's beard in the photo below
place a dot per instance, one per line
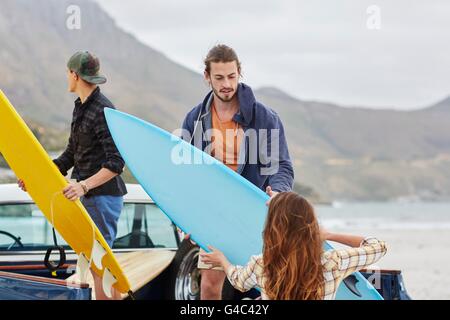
(217, 94)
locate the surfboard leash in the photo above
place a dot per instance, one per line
(131, 295)
(51, 265)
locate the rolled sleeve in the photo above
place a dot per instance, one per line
(66, 160)
(354, 259)
(114, 161)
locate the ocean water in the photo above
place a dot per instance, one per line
(385, 215)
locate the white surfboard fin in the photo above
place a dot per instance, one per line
(82, 268)
(98, 252)
(108, 281)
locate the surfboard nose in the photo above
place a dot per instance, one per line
(110, 114)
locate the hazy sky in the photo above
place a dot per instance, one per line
(317, 49)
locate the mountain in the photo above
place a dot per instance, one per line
(366, 154)
(359, 132)
(36, 45)
(341, 152)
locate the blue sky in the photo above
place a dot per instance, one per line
(314, 50)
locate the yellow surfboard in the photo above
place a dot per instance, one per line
(44, 182)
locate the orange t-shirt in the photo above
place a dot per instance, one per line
(226, 140)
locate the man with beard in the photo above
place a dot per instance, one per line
(244, 134)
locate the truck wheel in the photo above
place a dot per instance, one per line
(184, 276)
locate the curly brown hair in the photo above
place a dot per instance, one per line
(292, 250)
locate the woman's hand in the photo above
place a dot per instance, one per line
(216, 258)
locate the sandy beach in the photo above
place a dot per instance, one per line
(421, 255)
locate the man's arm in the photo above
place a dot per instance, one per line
(66, 160)
(112, 167)
(186, 128)
(76, 190)
(114, 161)
(283, 177)
(188, 125)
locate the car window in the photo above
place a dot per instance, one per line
(23, 227)
(144, 226)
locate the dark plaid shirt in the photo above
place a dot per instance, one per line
(91, 146)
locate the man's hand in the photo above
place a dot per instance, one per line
(271, 194)
(21, 185)
(73, 191)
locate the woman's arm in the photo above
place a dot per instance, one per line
(241, 278)
(216, 258)
(347, 239)
(363, 252)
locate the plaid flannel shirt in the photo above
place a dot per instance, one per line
(91, 146)
(337, 265)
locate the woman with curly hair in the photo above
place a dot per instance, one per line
(293, 264)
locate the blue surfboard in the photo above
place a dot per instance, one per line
(201, 195)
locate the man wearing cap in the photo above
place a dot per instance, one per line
(91, 152)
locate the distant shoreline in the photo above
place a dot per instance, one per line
(7, 176)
